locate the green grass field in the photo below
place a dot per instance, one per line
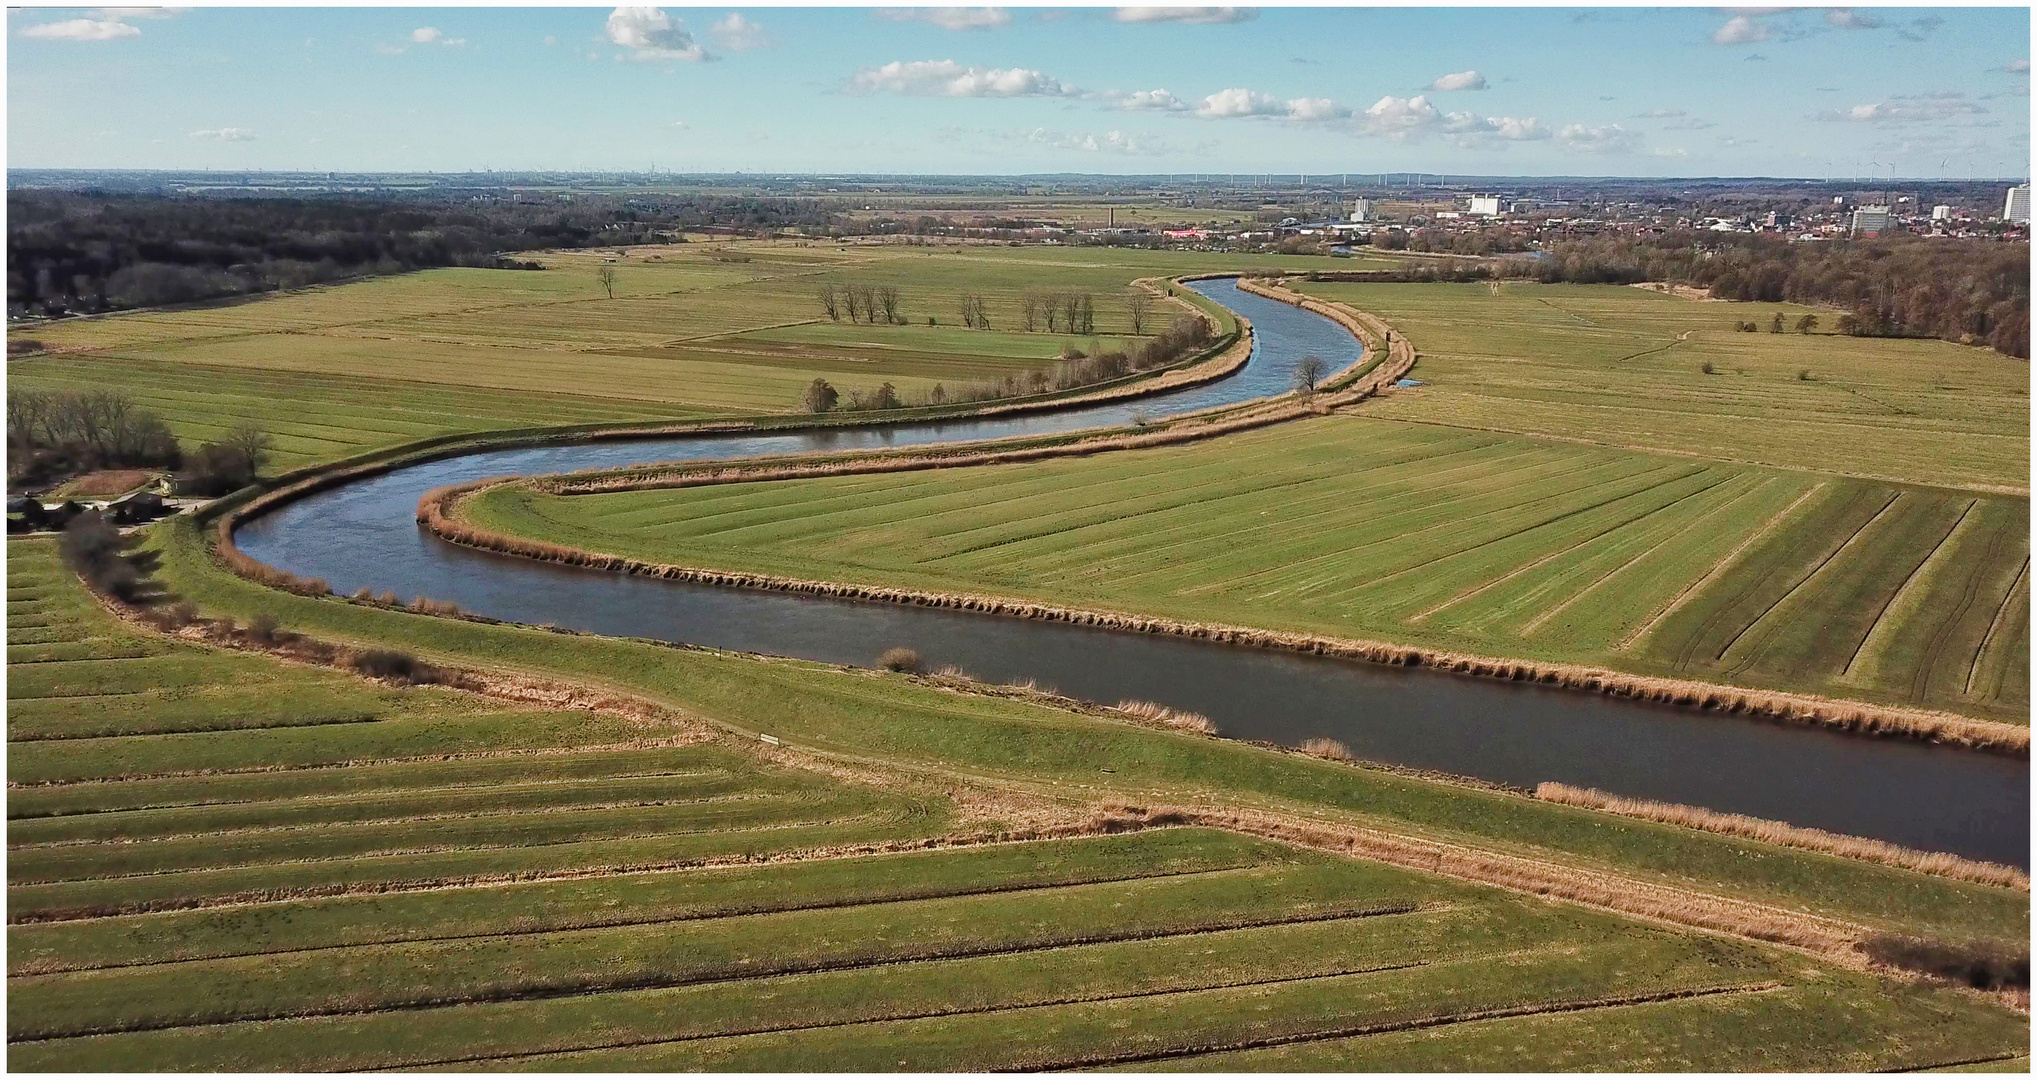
(1414, 533)
(694, 331)
(1625, 367)
(222, 862)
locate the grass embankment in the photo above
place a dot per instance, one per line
(692, 332)
(1420, 535)
(891, 718)
(1625, 367)
(327, 873)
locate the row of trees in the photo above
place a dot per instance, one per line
(52, 433)
(1070, 311)
(82, 252)
(1973, 292)
(1180, 340)
(862, 303)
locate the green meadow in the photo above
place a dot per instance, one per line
(1419, 533)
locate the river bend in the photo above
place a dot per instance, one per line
(364, 535)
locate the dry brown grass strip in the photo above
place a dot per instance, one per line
(1829, 938)
(1776, 832)
(1155, 713)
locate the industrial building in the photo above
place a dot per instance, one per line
(2017, 207)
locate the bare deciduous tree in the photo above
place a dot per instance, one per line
(887, 298)
(831, 303)
(605, 273)
(1138, 305)
(1308, 371)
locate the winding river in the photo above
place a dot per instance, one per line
(364, 535)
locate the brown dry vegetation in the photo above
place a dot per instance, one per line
(1776, 832)
(1154, 713)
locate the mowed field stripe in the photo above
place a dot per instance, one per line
(2002, 615)
(1539, 621)
(1568, 548)
(1718, 568)
(1804, 582)
(746, 971)
(1917, 574)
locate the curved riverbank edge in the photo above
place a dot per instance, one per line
(437, 512)
(1834, 939)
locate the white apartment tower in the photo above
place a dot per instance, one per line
(2017, 207)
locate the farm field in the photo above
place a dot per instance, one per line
(1417, 533)
(694, 331)
(1622, 366)
(222, 862)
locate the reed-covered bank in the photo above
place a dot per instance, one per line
(1776, 832)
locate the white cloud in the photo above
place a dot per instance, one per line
(1315, 110)
(138, 12)
(82, 30)
(950, 18)
(1670, 152)
(1921, 28)
(1472, 130)
(1740, 30)
(2021, 67)
(1660, 114)
(1910, 109)
(946, 78)
(1238, 102)
(737, 34)
(430, 35)
(1461, 80)
(1193, 16)
(1602, 139)
(1110, 142)
(1851, 19)
(226, 134)
(390, 50)
(1401, 118)
(653, 36)
(1138, 100)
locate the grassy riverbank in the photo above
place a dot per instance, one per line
(1618, 366)
(342, 808)
(694, 330)
(1417, 534)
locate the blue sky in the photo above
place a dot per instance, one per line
(1517, 91)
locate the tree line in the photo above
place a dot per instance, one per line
(862, 303)
(1972, 292)
(1075, 369)
(83, 252)
(54, 433)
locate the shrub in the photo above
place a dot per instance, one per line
(1803, 374)
(263, 628)
(1707, 368)
(900, 659)
(1327, 748)
(819, 397)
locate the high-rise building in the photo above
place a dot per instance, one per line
(2017, 207)
(1871, 221)
(1941, 213)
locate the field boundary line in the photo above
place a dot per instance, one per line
(1587, 541)
(1717, 568)
(2001, 612)
(1388, 1027)
(701, 916)
(1897, 594)
(1085, 999)
(1805, 580)
(727, 973)
(1539, 621)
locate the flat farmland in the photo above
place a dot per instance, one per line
(1416, 533)
(218, 861)
(1621, 366)
(694, 330)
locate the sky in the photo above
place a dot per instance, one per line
(1810, 92)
